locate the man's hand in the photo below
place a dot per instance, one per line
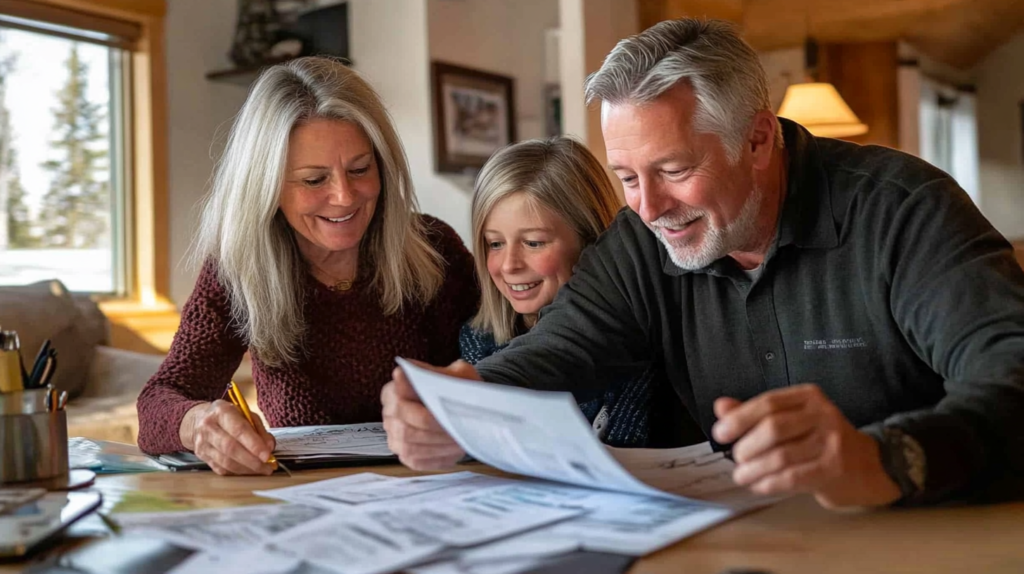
(796, 440)
(220, 435)
(413, 433)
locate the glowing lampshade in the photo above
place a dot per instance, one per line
(819, 108)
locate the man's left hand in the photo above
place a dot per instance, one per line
(796, 440)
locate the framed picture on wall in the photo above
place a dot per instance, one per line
(474, 116)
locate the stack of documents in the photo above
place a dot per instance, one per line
(314, 446)
(584, 496)
(359, 443)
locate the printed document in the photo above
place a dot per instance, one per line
(220, 529)
(368, 489)
(544, 435)
(368, 439)
(457, 509)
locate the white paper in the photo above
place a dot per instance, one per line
(367, 439)
(220, 529)
(635, 526)
(458, 509)
(322, 492)
(616, 522)
(348, 543)
(253, 560)
(508, 566)
(539, 434)
(693, 471)
(535, 544)
(483, 515)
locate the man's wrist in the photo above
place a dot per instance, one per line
(903, 460)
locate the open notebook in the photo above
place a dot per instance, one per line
(313, 447)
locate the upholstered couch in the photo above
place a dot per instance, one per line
(103, 382)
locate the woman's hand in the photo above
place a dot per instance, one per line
(220, 435)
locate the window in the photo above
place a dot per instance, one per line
(949, 132)
(64, 150)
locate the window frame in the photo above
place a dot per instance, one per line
(145, 230)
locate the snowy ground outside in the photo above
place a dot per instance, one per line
(79, 269)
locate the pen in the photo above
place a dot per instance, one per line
(49, 367)
(239, 401)
(35, 375)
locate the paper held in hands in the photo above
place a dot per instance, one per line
(544, 435)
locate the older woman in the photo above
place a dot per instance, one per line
(315, 260)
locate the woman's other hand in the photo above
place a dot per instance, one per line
(219, 434)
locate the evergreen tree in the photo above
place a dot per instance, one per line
(19, 220)
(16, 225)
(76, 209)
(14, 216)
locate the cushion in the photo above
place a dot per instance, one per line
(46, 310)
(106, 409)
(119, 373)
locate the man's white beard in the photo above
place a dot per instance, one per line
(716, 242)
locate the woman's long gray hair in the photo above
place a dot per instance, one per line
(243, 232)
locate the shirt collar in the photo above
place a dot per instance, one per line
(806, 219)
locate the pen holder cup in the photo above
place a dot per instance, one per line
(33, 440)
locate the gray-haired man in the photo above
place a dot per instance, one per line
(842, 314)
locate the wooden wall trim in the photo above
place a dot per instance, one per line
(127, 9)
(866, 76)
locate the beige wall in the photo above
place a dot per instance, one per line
(1000, 84)
(500, 36)
(392, 43)
(590, 29)
(198, 36)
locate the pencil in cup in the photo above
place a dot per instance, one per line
(239, 401)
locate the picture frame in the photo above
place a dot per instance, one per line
(474, 116)
(553, 126)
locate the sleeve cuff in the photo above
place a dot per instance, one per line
(904, 460)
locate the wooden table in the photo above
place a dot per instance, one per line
(793, 537)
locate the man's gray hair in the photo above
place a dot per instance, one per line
(724, 71)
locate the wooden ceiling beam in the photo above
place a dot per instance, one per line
(654, 11)
(956, 32)
(770, 24)
(961, 38)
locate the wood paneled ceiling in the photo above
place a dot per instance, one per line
(956, 32)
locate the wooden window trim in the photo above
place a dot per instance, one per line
(120, 33)
(148, 233)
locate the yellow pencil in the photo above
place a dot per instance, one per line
(239, 401)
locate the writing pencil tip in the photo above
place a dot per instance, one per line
(284, 468)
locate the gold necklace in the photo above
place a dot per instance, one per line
(339, 284)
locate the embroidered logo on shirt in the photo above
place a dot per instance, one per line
(834, 344)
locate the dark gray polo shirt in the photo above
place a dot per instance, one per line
(885, 286)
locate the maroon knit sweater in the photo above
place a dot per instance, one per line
(350, 347)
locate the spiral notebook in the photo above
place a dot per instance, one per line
(313, 447)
